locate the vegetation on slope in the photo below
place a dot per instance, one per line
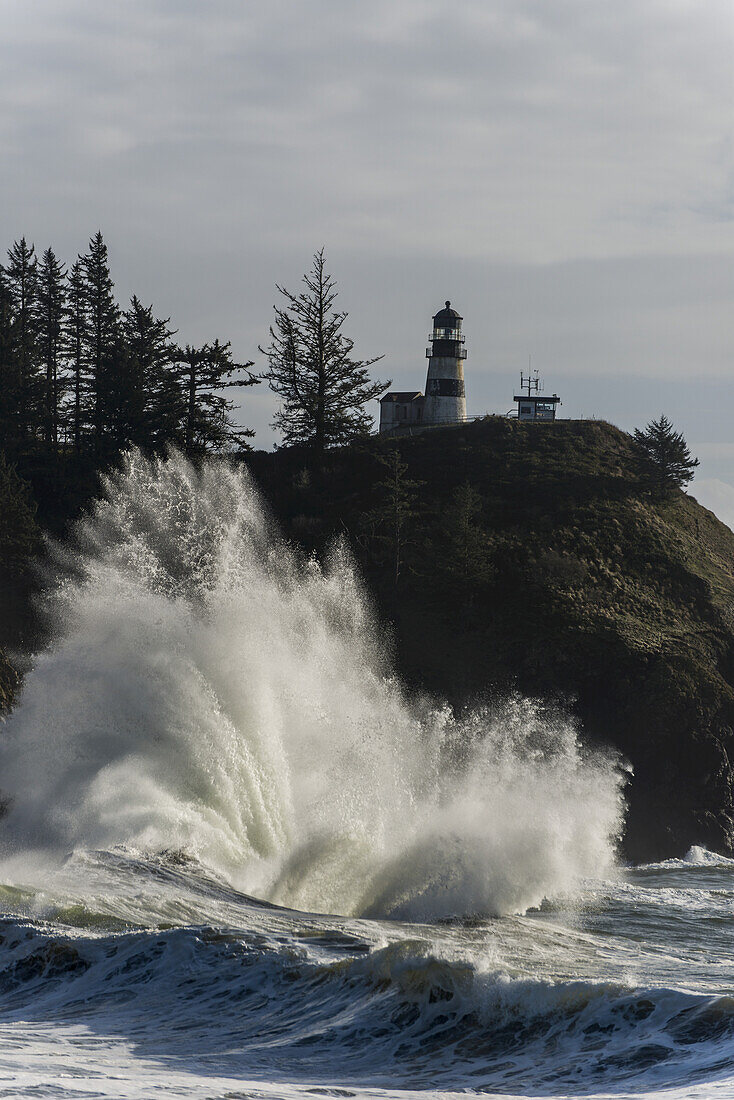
(20, 545)
(524, 556)
(509, 556)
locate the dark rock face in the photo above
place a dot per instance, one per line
(512, 556)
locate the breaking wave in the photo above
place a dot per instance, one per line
(210, 692)
(278, 999)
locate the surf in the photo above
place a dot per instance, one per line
(211, 691)
(277, 996)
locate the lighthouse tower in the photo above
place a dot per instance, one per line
(445, 400)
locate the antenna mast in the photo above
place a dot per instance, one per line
(531, 381)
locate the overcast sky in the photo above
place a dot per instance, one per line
(562, 170)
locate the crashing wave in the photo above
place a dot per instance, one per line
(211, 692)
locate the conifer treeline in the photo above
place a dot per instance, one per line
(81, 375)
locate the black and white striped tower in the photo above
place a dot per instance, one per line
(445, 401)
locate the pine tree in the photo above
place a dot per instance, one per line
(26, 385)
(390, 522)
(310, 366)
(20, 538)
(10, 431)
(20, 545)
(461, 555)
(468, 555)
(103, 338)
(666, 461)
(155, 403)
(207, 424)
(50, 320)
(77, 344)
(74, 367)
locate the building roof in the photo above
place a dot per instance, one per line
(536, 397)
(446, 317)
(402, 395)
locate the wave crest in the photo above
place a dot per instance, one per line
(210, 691)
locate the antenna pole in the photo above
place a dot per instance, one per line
(532, 381)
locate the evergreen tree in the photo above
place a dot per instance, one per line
(10, 431)
(73, 367)
(21, 544)
(20, 538)
(390, 522)
(50, 318)
(77, 345)
(22, 282)
(104, 346)
(207, 424)
(468, 542)
(154, 399)
(462, 555)
(310, 366)
(666, 461)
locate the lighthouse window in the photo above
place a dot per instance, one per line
(526, 410)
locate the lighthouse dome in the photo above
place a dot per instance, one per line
(446, 317)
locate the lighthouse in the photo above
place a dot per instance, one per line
(445, 400)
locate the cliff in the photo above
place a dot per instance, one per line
(512, 556)
(506, 556)
(21, 546)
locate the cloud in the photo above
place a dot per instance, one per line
(715, 450)
(513, 129)
(567, 168)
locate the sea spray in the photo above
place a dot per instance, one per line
(211, 692)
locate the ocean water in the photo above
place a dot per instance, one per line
(125, 976)
(239, 861)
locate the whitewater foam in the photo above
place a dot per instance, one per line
(696, 856)
(209, 691)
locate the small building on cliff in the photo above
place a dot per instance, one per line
(534, 404)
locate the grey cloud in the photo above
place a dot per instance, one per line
(564, 170)
(544, 131)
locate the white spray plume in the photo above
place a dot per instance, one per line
(211, 692)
